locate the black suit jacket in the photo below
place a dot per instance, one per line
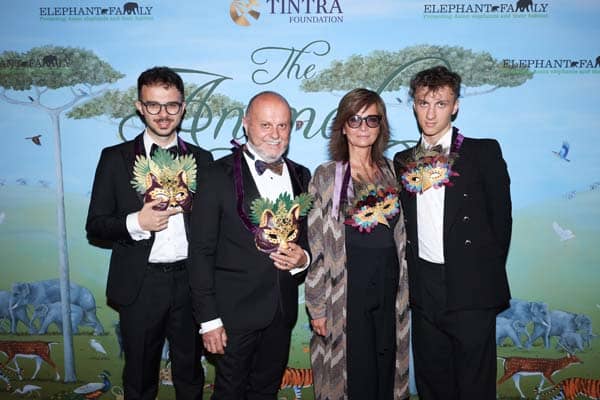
(230, 278)
(113, 198)
(477, 227)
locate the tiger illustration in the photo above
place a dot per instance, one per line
(297, 378)
(571, 388)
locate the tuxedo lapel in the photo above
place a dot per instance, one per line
(130, 156)
(250, 189)
(295, 178)
(453, 197)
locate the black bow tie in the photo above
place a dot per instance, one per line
(276, 166)
(172, 150)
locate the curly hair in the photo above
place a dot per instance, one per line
(434, 79)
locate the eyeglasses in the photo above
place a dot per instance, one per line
(154, 108)
(372, 121)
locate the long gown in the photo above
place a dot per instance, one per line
(372, 273)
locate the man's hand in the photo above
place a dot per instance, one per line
(289, 258)
(319, 325)
(153, 220)
(215, 340)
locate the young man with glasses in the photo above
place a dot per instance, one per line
(146, 221)
(457, 210)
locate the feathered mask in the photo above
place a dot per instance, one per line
(167, 178)
(277, 222)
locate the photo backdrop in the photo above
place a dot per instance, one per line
(68, 72)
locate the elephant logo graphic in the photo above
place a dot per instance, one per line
(523, 5)
(50, 61)
(597, 62)
(240, 9)
(130, 8)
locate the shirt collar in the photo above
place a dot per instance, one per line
(148, 142)
(444, 141)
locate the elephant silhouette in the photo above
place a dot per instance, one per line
(130, 8)
(523, 5)
(597, 61)
(50, 61)
(495, 8)
(574, 63)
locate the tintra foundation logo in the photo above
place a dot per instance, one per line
(240, 11)
(516, 9)
(244, 13)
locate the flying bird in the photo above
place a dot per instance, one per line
(564, 150)
(97, 346)
(28, 390)
(35, 139)
(563, 234)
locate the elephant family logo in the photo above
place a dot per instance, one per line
(240, 11)
(524, 5)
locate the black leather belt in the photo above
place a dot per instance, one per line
(167, 267)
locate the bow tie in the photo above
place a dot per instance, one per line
(172, 150)
(276, 166)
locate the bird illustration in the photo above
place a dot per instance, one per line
(35, 139)
(97, 346)
(28, 390)
(31, 99)
(564, 150)
(399, 100)
(93, 390)
(563, 234)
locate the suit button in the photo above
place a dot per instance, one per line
(465, 195)
(467, 243)
(408, 241)
(466, 218)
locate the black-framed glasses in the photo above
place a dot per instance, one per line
(154, 108)
(372, 121)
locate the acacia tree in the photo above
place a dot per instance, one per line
(24, 79)
(390, 71)
(202, 103)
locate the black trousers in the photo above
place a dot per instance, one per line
(254, 361)
(162, 310)
(454, 351)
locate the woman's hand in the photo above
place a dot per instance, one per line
(319, 325)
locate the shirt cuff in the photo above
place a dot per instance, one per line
(135, 230)
(297, 270)
(210, 325)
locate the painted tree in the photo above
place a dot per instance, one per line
(203, 104)
(387, 71)
(76, 74)
(390, 71)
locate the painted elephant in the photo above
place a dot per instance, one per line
(49, 314)
(562, 322)
(535, 312)
(13, 315)
(572, 342)
(130, 8)
(512, 329)
(48, 291)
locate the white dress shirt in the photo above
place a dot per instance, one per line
(430, 213)
(170, 244)
(269, 185)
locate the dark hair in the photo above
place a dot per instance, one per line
(434, 79)
(350, 105)
(160, 76)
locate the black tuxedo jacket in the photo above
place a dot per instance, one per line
(477, 228)
(230, 278)
(113, 198)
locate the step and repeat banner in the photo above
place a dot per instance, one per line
(68, 70)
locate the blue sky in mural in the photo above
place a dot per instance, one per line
(531, 121)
